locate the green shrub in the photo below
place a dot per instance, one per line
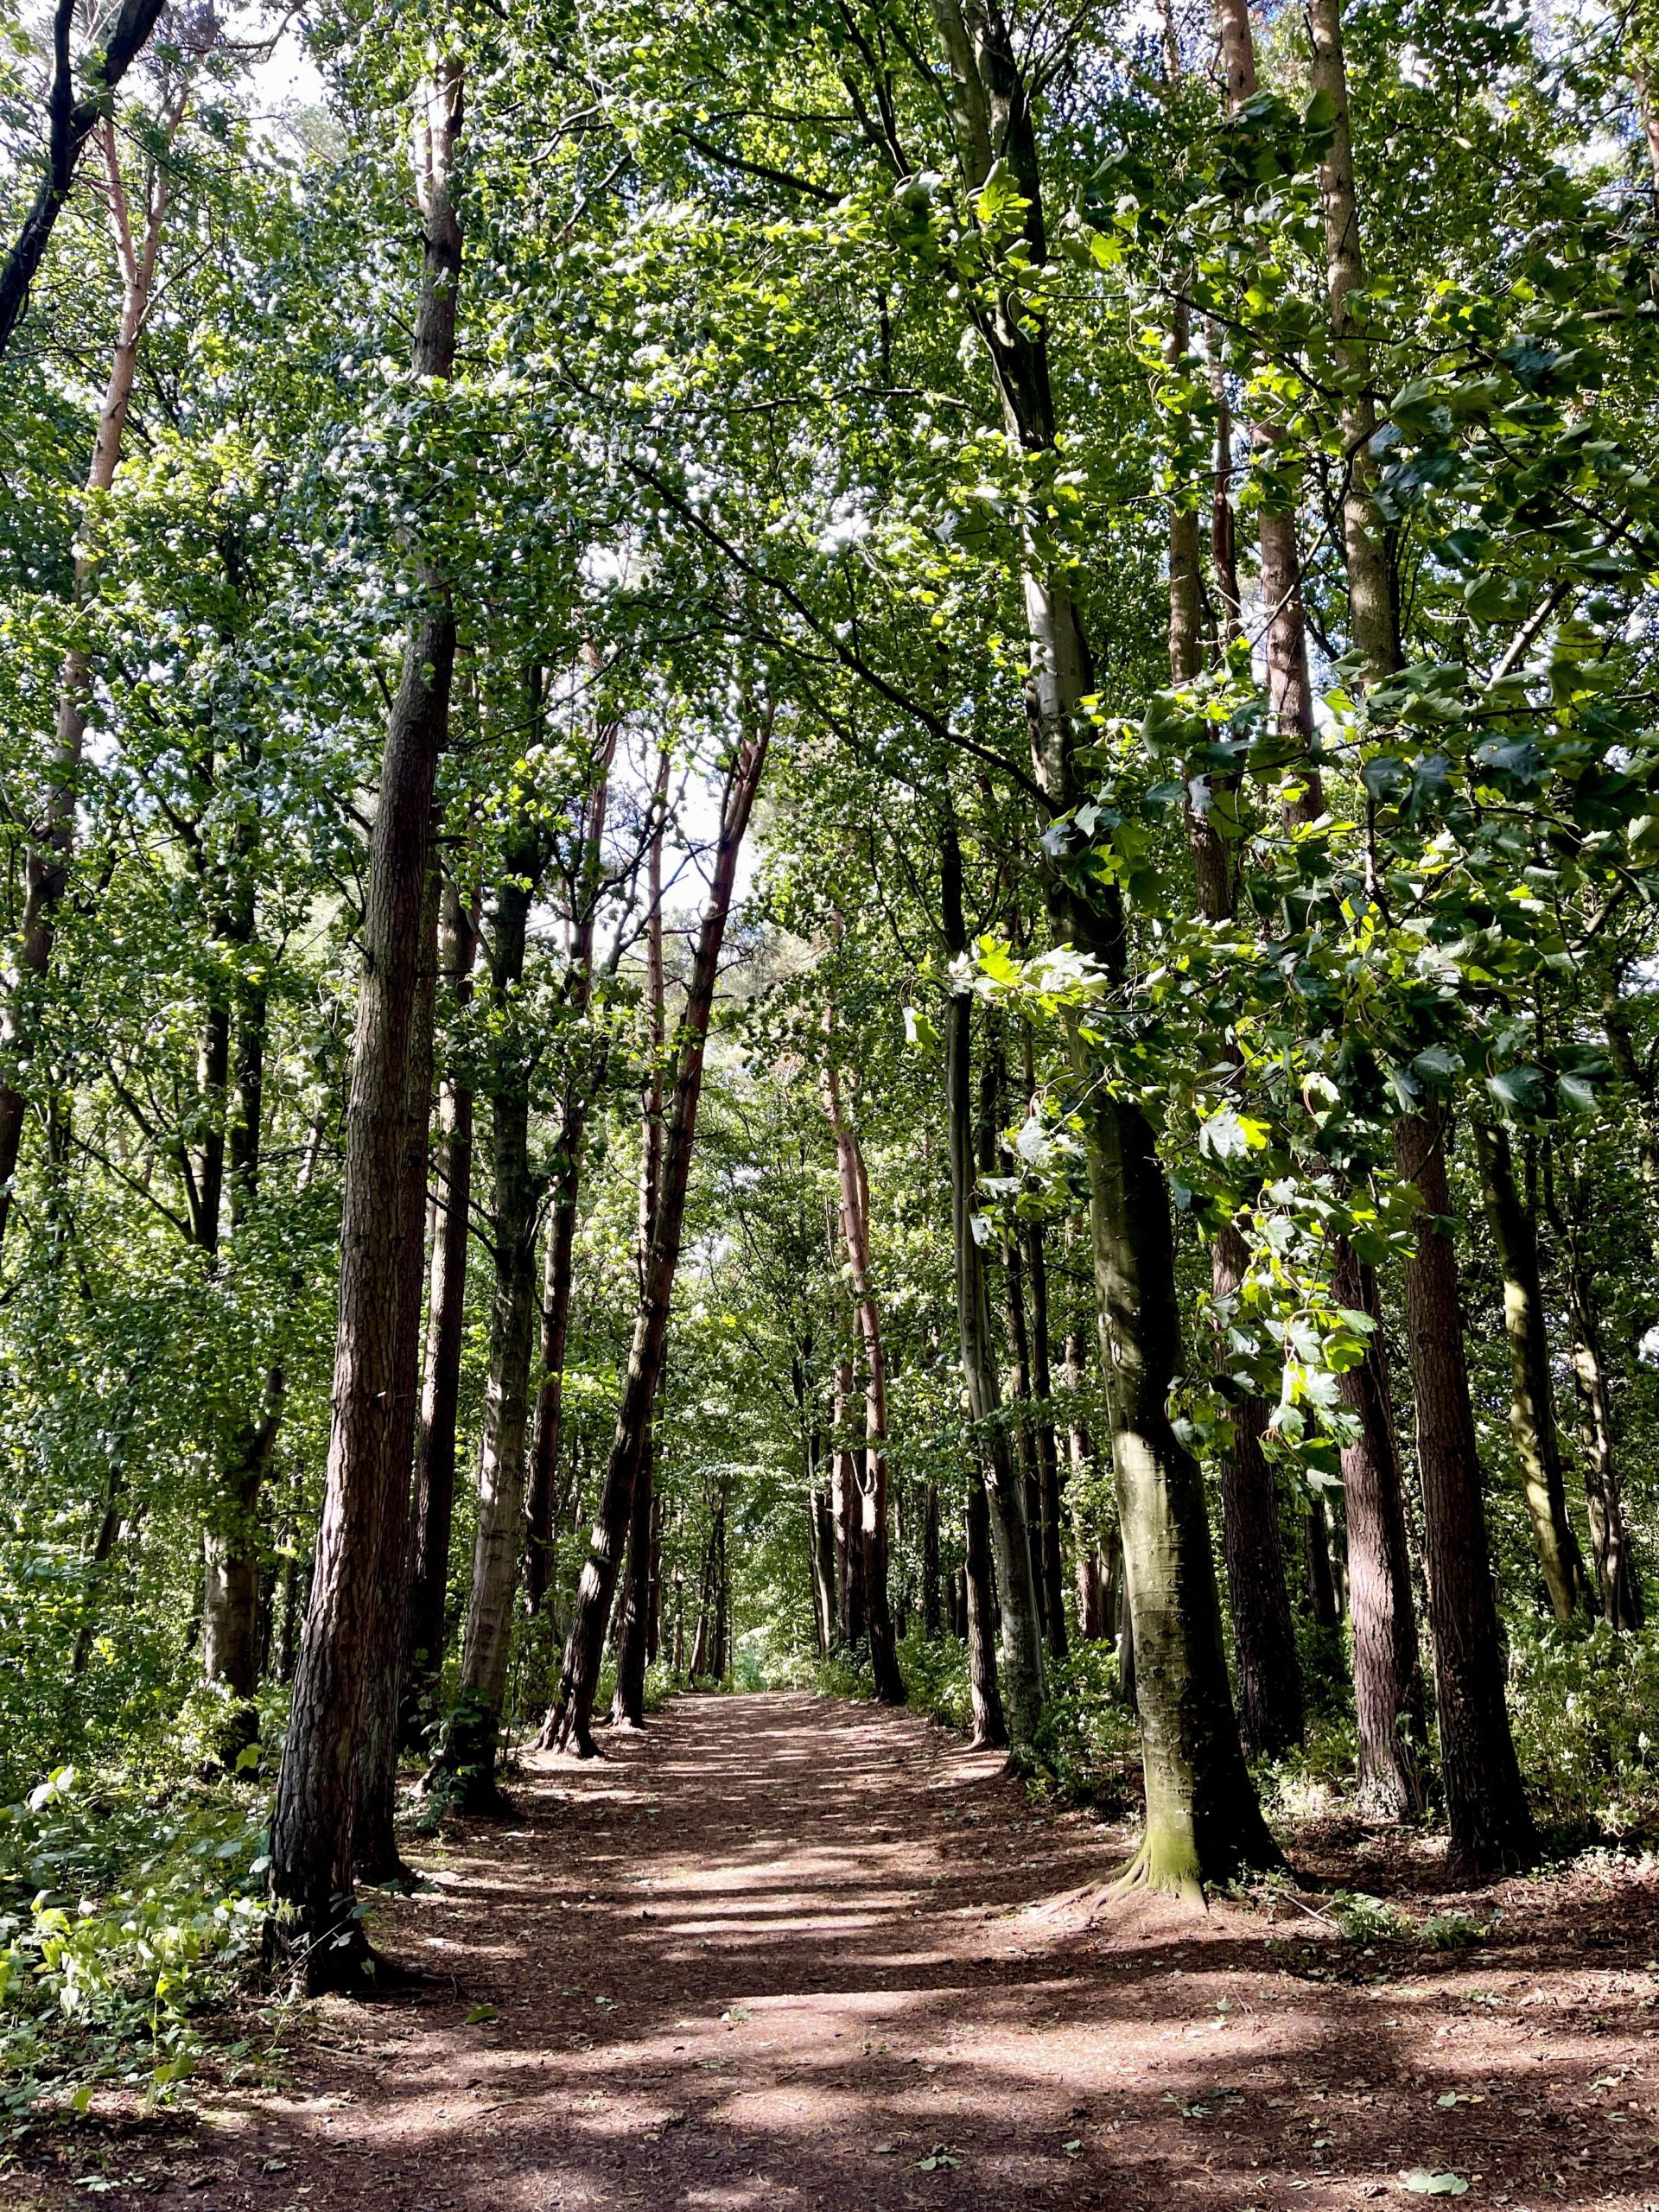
(1089, 1741)
(1585, 1708)
(121, 1914)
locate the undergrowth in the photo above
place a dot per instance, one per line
(123, 1911)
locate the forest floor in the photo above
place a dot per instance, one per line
(783, 1952)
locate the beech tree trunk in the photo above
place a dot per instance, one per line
(1532, 1397)
(352, 1617)
(432, 1504)
(1485, 1803)
(568, 1726)
(932, 1612)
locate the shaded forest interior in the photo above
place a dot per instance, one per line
(830, 851)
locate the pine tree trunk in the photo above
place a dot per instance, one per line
(352, 1616)
(1532, 1398)
(568, 1726)
(378, 1859)
(1485, 1803)
(432, 1506)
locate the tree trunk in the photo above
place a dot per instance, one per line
(628, 1701)
(432, 1507)
(1621, 1589)
(377, 1857)
(1203, 1819)
(1371, 599)
(1532, 1398)
(568, 1724)
(1485, 1803)
(822, 1537)
(579, 1086)
(979, 1608)
(1019, 1351)
(46, 866)
(1322, 1606)
(1021, 1646)
(870, 1499)
(843, 1512)
(70, 122)
(1387, 1671)
(472, 1734)
(352, 1617)
(933, 1613)
(1270, 1714)
(1052, 1557)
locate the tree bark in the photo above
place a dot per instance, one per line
(1532, 1397)
(1021, 1646)
(869, 1534)
(628, 1701)
(432, 1505)
(1486, 1807)
(568, 1726)
(375, 1837)
(70, 124)
(1388, 1669)
(559, 1275)
(472, 1734)
(1052, 1552)
(990, 1725)
(932, 1612)
(1270, 1711)
(352, 1616)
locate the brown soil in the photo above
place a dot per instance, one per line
(784, 1952)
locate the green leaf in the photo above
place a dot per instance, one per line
(1422, 2182)
(479, 2014)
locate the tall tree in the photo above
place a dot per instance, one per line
(352, 1617)
(568, 1723)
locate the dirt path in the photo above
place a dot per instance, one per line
(783, 1952)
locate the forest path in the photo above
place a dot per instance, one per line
(784, 1952)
